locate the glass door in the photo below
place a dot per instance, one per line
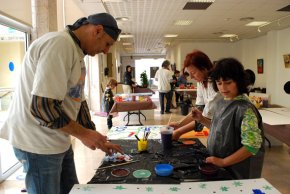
(13, 44)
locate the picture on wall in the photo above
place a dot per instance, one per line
(287, 60)
(260, 65)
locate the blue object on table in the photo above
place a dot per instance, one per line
(258, 191)
(163, 169)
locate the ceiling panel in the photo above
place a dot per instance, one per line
(149, 20)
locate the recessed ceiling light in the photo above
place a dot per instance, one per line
(228, 35)
(182, 22)
(122, 18)
(257, 23)
(126, 36)
(127, 43)
(170, 35)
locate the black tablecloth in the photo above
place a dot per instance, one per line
(185, 159)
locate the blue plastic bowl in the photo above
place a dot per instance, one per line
(163, 169)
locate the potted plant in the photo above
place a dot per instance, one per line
(144, 80)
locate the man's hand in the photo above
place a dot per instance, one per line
(93, 139)
(111, 148)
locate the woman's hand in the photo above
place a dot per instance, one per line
(196, 114)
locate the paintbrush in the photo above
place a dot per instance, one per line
(169, 119)
(117, 165)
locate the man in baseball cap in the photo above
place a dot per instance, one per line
(104, 28)
(50, 106)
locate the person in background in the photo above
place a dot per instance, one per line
(108, 100)
(128, 82)
(251, 77)
(236, 138)
(163, 76)
(175, 78)
(182, 80)
(199, 66)
(49, 104)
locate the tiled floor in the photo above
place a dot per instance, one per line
(276, 168)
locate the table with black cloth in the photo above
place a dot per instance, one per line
(184, 158)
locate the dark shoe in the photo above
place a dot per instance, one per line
(168, 112)
(161, 112)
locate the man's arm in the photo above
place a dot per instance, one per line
(51, 115)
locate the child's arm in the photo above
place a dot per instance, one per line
(238, 156)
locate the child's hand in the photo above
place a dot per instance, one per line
(216, 161)
(175, 125)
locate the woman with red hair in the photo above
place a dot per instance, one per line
(199, 66)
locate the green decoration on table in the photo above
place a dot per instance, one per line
(149, 189)
(120, 187)
(202, 186)
(144, 79)
(224, 188)
(237, 184)
(266, 187)
(87, 188)
(175, 189)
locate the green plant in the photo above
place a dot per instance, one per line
(144, 80)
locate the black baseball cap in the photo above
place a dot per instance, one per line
(106, 20)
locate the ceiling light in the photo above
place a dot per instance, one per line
(122, 19)
(170, 35)
(127, 43)
(182, 22)
(126, 36)
(257, 23)
(228, 35)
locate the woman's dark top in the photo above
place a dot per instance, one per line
(128, 79)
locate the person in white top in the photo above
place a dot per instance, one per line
(49, 104)
(198, 65)
(164, 76)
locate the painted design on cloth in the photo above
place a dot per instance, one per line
(237, 184)
(175, 189)
(76, 92)
(87, 188)
(224, 188)
(120, 187)
(149, 189)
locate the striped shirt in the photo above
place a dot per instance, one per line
(50, 113)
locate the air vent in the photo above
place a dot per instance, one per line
(197, 5)
(287, 8)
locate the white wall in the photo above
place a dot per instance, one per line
(17, 9)
(270, 47)
(214, 51)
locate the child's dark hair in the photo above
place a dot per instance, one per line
(230, 68)
(127, 67)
